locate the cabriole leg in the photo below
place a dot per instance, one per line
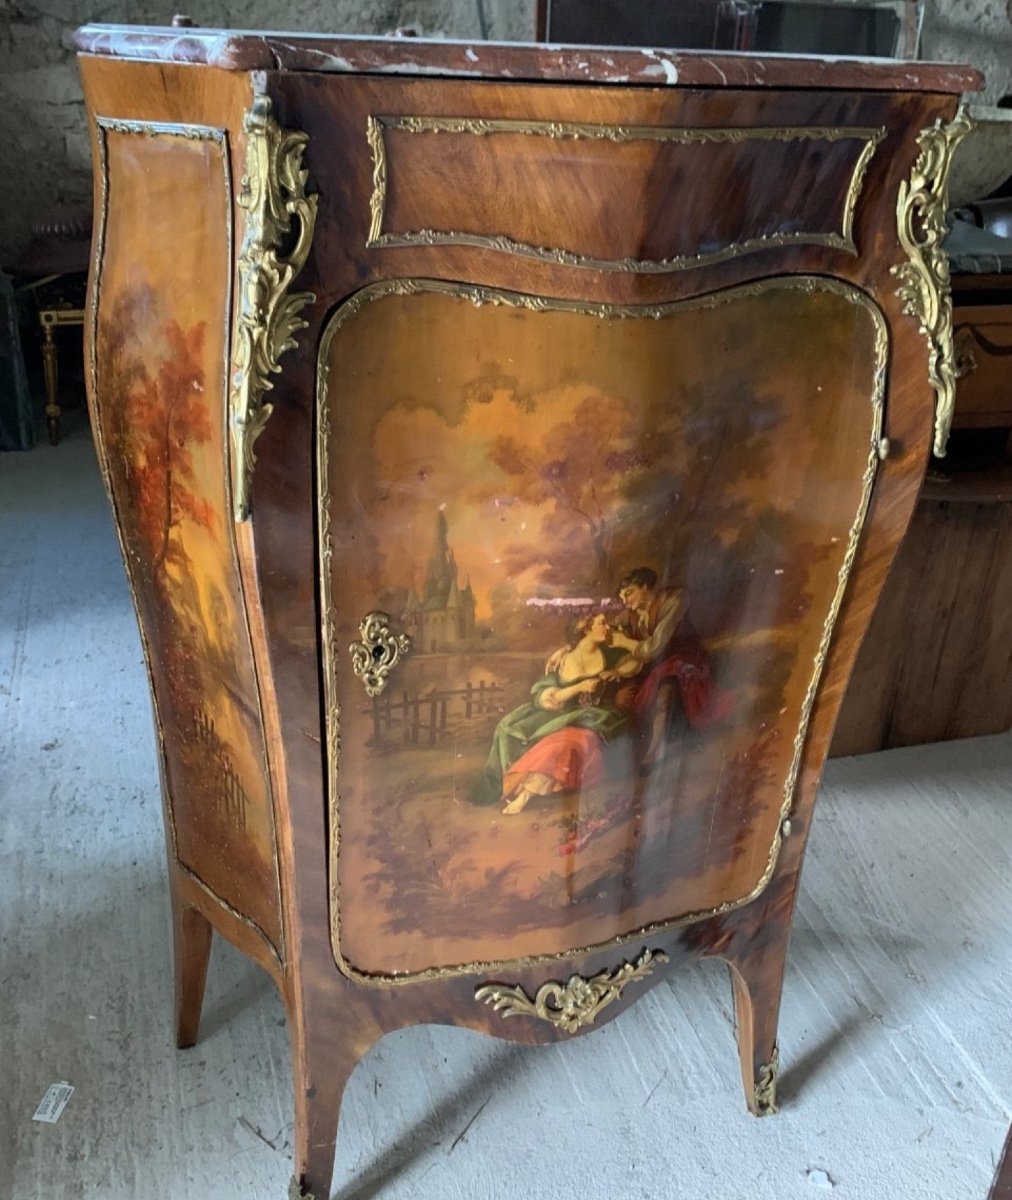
(322, 1067)
(757, 983)
(192, 935)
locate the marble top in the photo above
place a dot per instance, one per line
(243, 50)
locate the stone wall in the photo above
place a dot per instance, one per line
(978, 32)
(42, 126)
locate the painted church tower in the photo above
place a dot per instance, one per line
(443, 615)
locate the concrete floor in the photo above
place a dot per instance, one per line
(897, 1076)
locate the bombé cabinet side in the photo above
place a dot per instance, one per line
(506, 474)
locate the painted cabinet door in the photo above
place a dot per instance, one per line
(601, 386)
(580, 567)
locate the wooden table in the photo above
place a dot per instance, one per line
(51, 319)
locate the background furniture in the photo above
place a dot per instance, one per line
(16, 429)
(778, 26)
(51, 319)
(52, 272)
(935, 664)
(648, 346)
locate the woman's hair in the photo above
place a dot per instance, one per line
(578, 626)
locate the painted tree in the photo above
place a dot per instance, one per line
(154, 418)
(686, 485)
(575, 473)
(690, 506)
(165, 417)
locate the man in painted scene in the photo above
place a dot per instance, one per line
(664, 662)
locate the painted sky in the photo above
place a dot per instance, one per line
(528, 428)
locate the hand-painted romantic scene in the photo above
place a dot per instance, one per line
(604, 535)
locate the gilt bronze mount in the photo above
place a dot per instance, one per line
(577, 1002)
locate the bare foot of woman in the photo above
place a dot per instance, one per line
(517, 804)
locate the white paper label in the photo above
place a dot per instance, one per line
(53, 1103)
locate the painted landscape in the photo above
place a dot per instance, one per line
(161, 387)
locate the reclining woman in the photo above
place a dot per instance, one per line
(555, 743)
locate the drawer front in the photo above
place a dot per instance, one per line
(982, 339)
(604, 192)
(521, 187)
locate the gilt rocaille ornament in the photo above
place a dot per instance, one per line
(924, 280)
(571, 1005)
(280, 219)
(379, 651)
(764, 1097)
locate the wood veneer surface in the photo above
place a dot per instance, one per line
(334, 1018)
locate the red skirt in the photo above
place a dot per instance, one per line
(570, 757)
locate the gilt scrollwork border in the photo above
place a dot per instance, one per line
(378, 238)
(191, 132)
(924, 279)
(331, 643)
(280, 221)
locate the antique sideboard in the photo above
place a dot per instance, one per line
(934, 665)
(508, 445)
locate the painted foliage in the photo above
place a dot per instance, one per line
(160, 391)
(616, 540)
